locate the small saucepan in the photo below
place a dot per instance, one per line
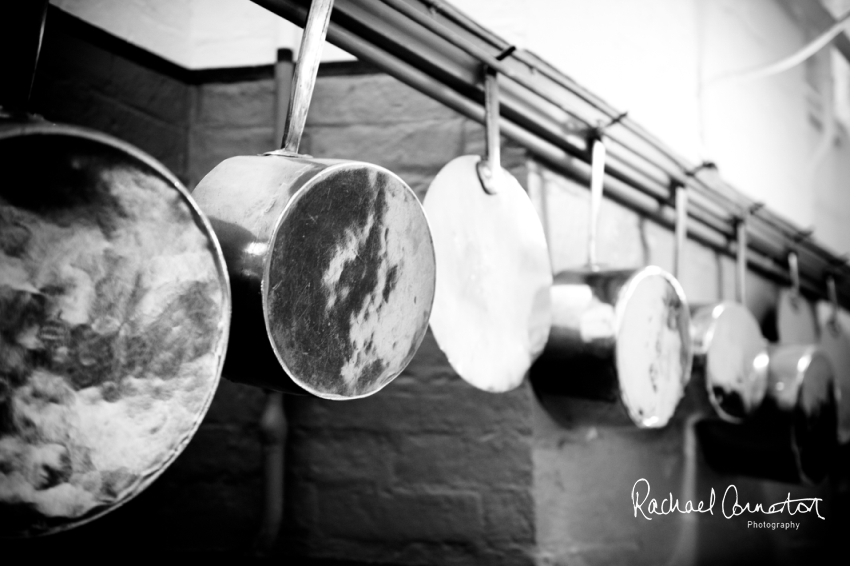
(730, 353)
(331, 261)
(617, 334)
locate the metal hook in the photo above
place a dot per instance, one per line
(596, 132)
(506, 53)
(704, 165)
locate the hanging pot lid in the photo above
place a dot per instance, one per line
(491, 313)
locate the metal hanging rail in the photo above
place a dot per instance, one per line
(439, 51)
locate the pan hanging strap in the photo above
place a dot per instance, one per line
(306, 68)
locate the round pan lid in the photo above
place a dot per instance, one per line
(115, 317)
(653, 348)
(492, 311)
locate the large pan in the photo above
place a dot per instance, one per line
(114, 317)
(331, 261)
(617, 334)
(491, 313)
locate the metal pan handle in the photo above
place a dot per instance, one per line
(306, 68)
(597, 176)
(833, 299)
(20, 41)
(741, 260)
(794, 270)
(489, 167)
(681, 229)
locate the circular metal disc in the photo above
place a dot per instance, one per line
(795, 320)
(115, 316)
(736, 362)
(835, 344)
(654, 353)
(492, 307)
(348, 288)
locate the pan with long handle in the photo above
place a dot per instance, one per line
(730, 353)
(114, 311)
(617, 334)
(331, 261)
(491, 313)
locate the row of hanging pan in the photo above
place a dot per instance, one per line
(124, 298)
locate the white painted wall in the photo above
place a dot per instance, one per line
(657, 59)
(197, 34)
(654, 58)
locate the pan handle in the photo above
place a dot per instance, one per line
(489, 167)
(793, 268)
(681, 229)
(833, 299)
(20, 43)
(306, 68)
(741, 259)
(597, 176)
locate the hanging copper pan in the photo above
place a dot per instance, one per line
(114, 319)
(491, 312)
(617, 334)
(730, 353)
(835, 344)
(331, 261)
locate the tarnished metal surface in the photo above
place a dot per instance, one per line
(620, 334)
(492, 307)
(332, 268)
(731, 355)
(115, 316)
(803, 389)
